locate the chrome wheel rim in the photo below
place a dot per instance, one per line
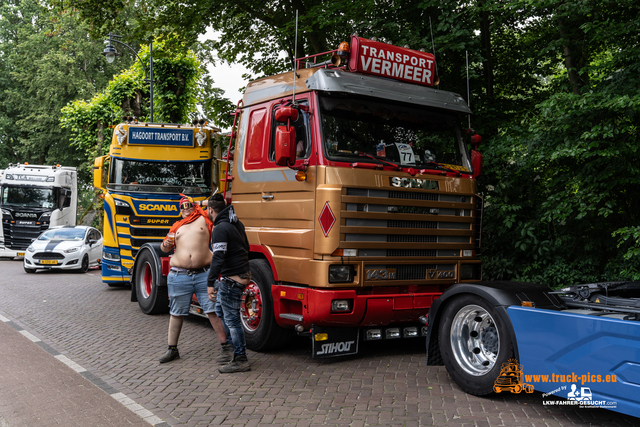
(474, 340)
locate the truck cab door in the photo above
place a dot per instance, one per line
(266, 194)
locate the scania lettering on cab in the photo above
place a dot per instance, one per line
(34, 198)
(358, 194)
(148, 166)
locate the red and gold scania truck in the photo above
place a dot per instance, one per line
(357, 189)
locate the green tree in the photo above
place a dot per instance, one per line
(563, 183)
(177, 74)
(47, 60)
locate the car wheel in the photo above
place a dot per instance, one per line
(29, 270)
(84, 266)
(474, 342)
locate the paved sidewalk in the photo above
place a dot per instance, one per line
(40, 387)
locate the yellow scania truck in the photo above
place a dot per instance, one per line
(148, 166)
(356, 184)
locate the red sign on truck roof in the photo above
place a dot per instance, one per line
(385, 60)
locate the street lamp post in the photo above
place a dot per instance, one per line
(110, 54)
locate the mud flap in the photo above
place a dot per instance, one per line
(333, 342)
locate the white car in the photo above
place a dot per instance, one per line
(64, 248)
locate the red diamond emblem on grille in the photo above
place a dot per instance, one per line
(326, 219)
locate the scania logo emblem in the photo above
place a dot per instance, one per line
(25, 215)
(396, 181)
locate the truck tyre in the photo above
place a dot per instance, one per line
(84, 265)
(474, 343)
(260, 328)
(152, 299)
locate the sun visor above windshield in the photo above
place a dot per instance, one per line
(358, 84)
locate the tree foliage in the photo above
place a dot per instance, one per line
(47, 60)
(177, 74)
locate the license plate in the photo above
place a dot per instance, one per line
(20, 254)
(25, 222)
(48, 261)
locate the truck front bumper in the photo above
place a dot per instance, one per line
(347, 308)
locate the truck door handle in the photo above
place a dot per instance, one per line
(267, 196)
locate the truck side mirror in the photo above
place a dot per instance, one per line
(61, 198)
(476, 163)
(98, 167)
(64, 199)
(285, 146)
(476, 157)
(286, 114)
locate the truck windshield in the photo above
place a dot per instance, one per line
(357, 129)
(161, 177)
(31, 197)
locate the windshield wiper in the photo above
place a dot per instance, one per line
(378, 158)
(439, 166)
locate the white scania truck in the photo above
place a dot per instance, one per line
(34, 198)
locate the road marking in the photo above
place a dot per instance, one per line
(70, 363)
(138, 409)
(4, 319)
(30, 336)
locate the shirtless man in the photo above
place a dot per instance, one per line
(189, 271)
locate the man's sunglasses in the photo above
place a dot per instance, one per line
(186, 205)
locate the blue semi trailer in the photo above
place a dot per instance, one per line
(579, 345)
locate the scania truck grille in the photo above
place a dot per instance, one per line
(409, 224)
(20, 236)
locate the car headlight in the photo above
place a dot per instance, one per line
(30, 249)
(70, 250)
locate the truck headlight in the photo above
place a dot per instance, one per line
(110, 256)
(122, 208)
(470, 272)
(341, 273)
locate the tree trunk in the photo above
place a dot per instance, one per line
(574, 56)
(487, 63)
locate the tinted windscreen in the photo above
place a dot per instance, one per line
(29, 197)
(358, 129)
(157, 177)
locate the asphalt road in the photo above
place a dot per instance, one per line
(98, 328)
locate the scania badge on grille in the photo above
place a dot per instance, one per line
(426, 184)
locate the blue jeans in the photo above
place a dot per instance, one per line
(182, 286)
(228, 303)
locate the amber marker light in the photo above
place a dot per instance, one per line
(283, 293)
(528, 304)
(300, 297)
(301, 176)
(321, 337)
